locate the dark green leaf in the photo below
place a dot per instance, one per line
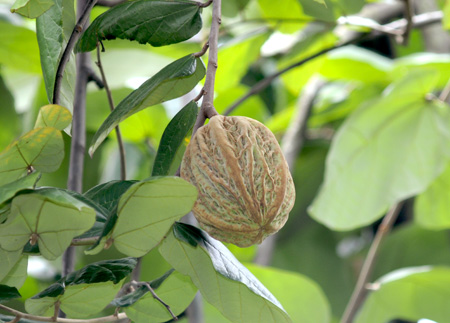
(220, 277)
(154, 22)
(107, 195)
(53, 290)
(53, 30)
(173, 137)
(9, 122)
(31, 8)
(174, 80)
(7, 293)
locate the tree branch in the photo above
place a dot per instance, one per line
(76, 33)
(104, 319)
(123, 161)
(360, 291)
(207, 109)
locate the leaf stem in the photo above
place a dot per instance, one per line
(175, 318)
(76, 33)
(207, 109)
(360, 291)
(123, 165)
(104, 319)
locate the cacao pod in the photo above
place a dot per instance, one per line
(244, 184)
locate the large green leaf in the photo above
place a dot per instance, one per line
(174, 80)
(223, 281)
(9, 190)
(302, 298)
(31, 8)
(18, 48)
(13, 270)
(154, 22)
(145, 213)
(176, 290)
(49, 217)
(41, 149)
(84, 292)
(411, 294)
(385, 152)
(53, 30)
(173, 138)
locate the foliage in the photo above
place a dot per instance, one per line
(377, 134)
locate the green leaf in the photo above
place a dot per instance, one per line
(221, 279)
(174, 80)
(147, 211)
(7, 293)
(49, 217)
(53, 115)
(302, 298)
(9, 190)
(323, 10)
(41, 149)
(13, 270)
(231, 8)
(31, 8)
(9, 122)
(432, 207)
(385, 152)
(84, 292)
(176, 290)
(18, 48)
(239, 53)
(446, 11)
(287, 9)
(409, 293)
(355, 63)
(53, 30)
(173, 137)
(152, 22)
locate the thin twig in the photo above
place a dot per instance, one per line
(104, 319)
(261, 85)
(123, 161)
(199, 96)
(175, 318)
(445, 94)
(360, 291)
(204, 4)
(84, 241)
(76, 33)
(207, 109)
(409, 13)
(203, 51)
(93, 77)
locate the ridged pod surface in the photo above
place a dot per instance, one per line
(244, 184)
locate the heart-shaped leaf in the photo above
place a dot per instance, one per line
(154, 22)
(174, 80)
(49, 217)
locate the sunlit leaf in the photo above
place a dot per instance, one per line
(174, 80)
(432, 207)
(411, 294)
(31, 8)
(18, 48)
(154, 22)
(288, 10)
(48, 217)
(53, 115)
(53, 30)
(173, 137)
(41, 149)
(385, 152)
(222, 280)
